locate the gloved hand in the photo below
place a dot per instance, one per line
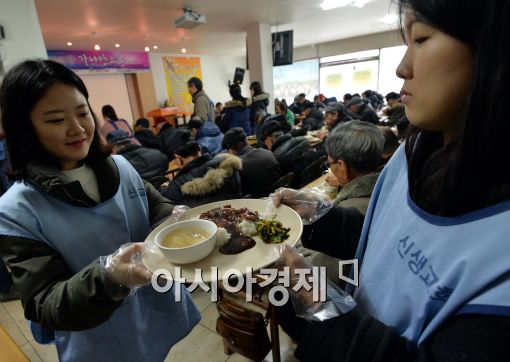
(124, 267)
(337, 301)
(311, 204)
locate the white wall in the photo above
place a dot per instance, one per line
(23, 37)
(108, 89)
(216, 72)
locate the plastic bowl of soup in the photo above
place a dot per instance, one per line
(187, 241)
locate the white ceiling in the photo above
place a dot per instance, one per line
(135, 24)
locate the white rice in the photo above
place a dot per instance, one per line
(222, 237)
(247, 228)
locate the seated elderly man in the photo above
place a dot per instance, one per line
(354, 155)
(363, 109)
(149, 162)
(260, 168)
(207, 135)
(203, 178)
(354, 152)
(292, 153)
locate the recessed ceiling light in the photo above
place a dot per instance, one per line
(389, 19)
(147, 49)
(183, 50)
(117, 45)
(333, 4)
(97, 47)
(69, 43)
(155, 47)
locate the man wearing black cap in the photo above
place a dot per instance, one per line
(312, 117)
(260, 167)
(150, 163)
(144, 134)
(336, 113)
(292, 153)
(363, 110)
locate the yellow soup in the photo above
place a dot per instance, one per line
(186, 236)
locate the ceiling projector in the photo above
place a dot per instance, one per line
(189, 20)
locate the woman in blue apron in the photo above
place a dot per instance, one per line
(434, 246)
(65, 223)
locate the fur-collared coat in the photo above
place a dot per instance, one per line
(205, 180)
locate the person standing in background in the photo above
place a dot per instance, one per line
(259, 99)
(203, 106)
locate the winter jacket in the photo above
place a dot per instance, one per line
(237, 114)
(51, 293)
(206, 179)
(148, 162)
(397, 112)
(260, 101)
(355, 194)
(209, 137)
(260, 171)
(203, 108)
(147, 138)
(293, 155)
(314, 121)
(366, 113)
(171, 138)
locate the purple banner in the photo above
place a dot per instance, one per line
(92, 59)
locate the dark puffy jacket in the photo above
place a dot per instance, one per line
(259, 102)
(293, 155)
(260, 171)
(206, 180)
(147, 161)
(147, 138)
(171, 138)
(209, 137)
(366, 113)
(314, 121)
(237, 114)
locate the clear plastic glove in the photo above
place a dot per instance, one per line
(311, 204)
(337, 301)
(124, 267)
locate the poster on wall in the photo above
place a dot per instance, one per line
(96, 60)
(177, 72)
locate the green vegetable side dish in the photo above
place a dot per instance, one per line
(272, 231)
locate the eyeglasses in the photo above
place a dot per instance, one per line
(328, 164)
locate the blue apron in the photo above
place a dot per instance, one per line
(147, 323)
(418, 269)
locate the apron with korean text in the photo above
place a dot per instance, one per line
(418, 269)
(148, 323)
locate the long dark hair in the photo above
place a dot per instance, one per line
(108, 111)
(469, 172)
(256, 88)
(23, 86)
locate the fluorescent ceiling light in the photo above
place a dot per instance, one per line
(333, 4)
(389, 19)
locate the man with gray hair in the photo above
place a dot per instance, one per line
(354, 154)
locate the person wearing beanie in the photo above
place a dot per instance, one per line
(260, 167)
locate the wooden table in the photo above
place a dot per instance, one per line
(316, 182)
(168, 113)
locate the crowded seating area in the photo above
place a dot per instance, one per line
(331, 224)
